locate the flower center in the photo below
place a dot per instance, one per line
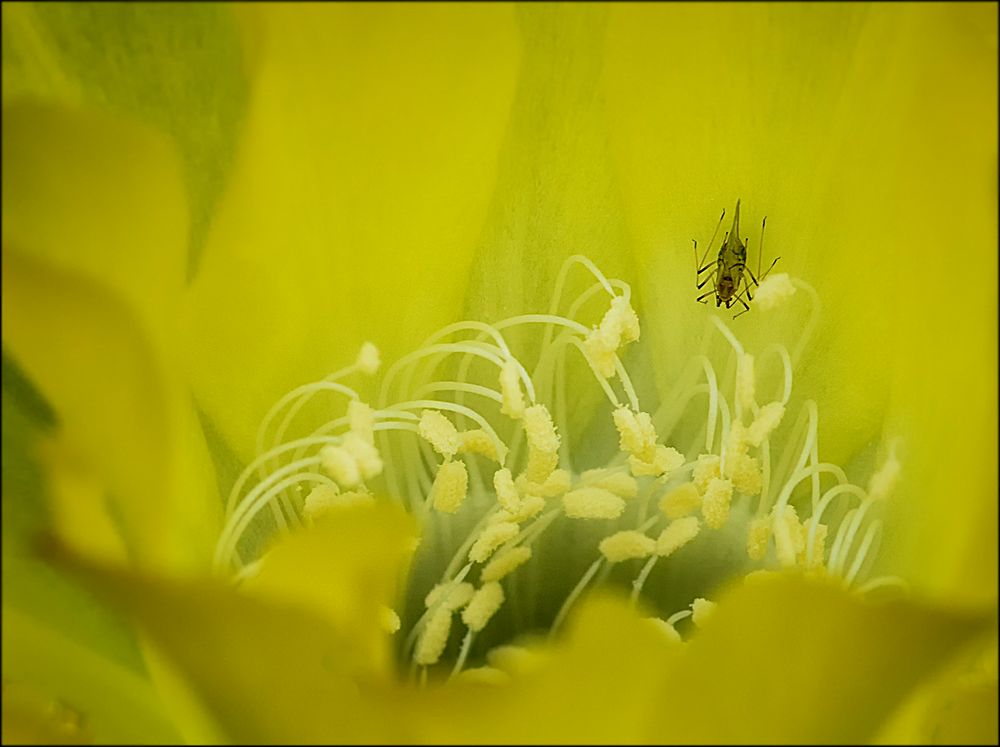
(529, 493)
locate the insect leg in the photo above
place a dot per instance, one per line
(765, 274)
(710, 277)
(745, 308)
(705, 295)
(760, 245)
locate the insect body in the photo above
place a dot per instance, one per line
(728, 270)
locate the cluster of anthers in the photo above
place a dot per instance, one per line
(481, 456)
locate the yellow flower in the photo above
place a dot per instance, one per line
(351, 174)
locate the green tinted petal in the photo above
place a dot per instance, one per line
(175, 67)
(127, 459)
(272, 668)
(361, 186)
(788, 660)
(110, 702)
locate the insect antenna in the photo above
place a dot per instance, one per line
(711, 241)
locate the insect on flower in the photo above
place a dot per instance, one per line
(728, 270)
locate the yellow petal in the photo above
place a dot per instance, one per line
(119, 415)
(597, 686)
(267, 671)
(346, 567)
(788, 660)
(874, 158)
(360, 188)
(98, 196)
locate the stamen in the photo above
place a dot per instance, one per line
(510, 387)
(592, 503)
(626, 545)
(451, 485)
(701, 610)
(744, 384)
(620, 483)
(677, 534)
(388, 620)
(681, 501)
(758, 536)
(483, 605)
(491, 538)
(715, 504)
(507, 496)
(440, 433)
(668, 630)
(368, 360)
(773, 291)
(505, 563)
(434, 638)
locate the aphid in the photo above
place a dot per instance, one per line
(728, 269)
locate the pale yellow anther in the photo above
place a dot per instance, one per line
(619, 326)
(626, 545)
(701, 610)
(531, 506)
(758, 535)
(434, 638)
(451, 485)
(483, 605)
(677, 534)
(492, 536)
(505, 563)
(745, 399)
(483, 676)
(361, 420)
(746, 476)
(516, 660)
(665, 628)
(439, 432)
(789, 538)
(715, 503)
(626, 319)
(451, 596)
(510, 390)
(478, 441)
(507, 495)
(388, 620)
(340, 465)
(539, 429)
(815, 560)
(325, 498)
(737, 440)
(768, 418)
(706, 469)
(592, 503)
(557, 483)
(541, 465)
(601, 349)
(364, 453)
(681, 501)
(636, 434)
(620, 483)
(368, 360)
(319, 500)
(883, 482)
(774, 290)
(665, 461)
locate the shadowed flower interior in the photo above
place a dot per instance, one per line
(472, 433)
